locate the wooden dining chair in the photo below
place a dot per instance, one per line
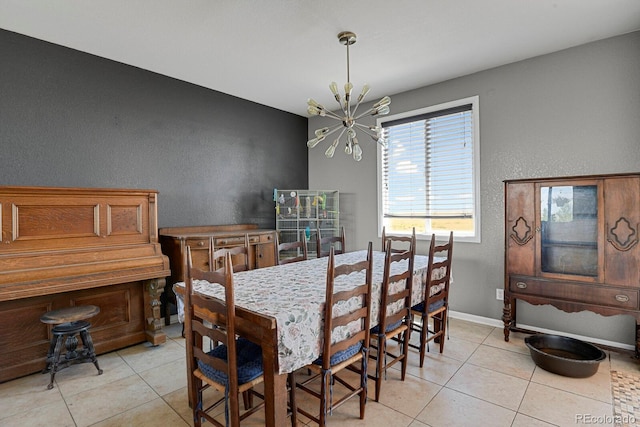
(435, 305)
(289, 252)
(324, 244)
(399, 243)
(394, 321)
(233, 367)
(239, 256)
(345, 339)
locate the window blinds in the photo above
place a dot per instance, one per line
(427, 167)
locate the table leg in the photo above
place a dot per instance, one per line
(275, 391)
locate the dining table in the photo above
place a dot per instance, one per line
(281, 307)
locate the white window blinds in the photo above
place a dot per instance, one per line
(427, 171)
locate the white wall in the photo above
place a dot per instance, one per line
(573, 112)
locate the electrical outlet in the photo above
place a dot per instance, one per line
(500, 294)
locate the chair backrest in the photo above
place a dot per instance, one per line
(221, 314)
(395, 294)
(239, 256)
(335, 319)
(324, 244)
(438, 273)
(399, 243)
(289, 252)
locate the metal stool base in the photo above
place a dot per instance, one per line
(66, 333)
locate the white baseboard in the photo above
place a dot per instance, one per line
(499, 324)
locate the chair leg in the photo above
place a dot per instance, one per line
(424, 335)
(380, 368)
(324, 403)
(405, 353)
(292, 400)
(363, 384)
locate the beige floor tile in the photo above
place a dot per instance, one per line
(80, 378)
(452, 408)
(167, 378)
(151, 414)
(179, 402)
(53, 414)
(19, 395)
(505, 361)
(409, 396)
(488, 385)
(455, 348)
(145, 356)
(516, 341)
(526, 421)
(597, 386)
(437, 368)
(624, 361)
(376, 415)
(416, 423)
(114, 398)
(560, 407)
(469, 331)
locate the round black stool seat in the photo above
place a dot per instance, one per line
(69, 322)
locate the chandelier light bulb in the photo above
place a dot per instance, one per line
(357, 151)
(384, 101)
(332, 148)
(347, 148)
(322, 132)
(381, 111)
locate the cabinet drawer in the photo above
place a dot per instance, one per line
(582, 293)
(229, 241)
(200, 243)
(266, 238)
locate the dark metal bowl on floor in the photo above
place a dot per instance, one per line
(565, 356)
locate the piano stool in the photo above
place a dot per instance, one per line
(69, 322)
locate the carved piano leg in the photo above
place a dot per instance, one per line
(507, 318)
(152, 290)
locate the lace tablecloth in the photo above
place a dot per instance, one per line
(294, 295)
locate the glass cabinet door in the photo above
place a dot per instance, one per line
(569, 229)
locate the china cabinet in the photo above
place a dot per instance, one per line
(573, 243)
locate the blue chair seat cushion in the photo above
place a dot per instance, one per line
(249, 356)
(391, 327)
(341, 355)
(433, 306)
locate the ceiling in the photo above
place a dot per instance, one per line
(281, 52)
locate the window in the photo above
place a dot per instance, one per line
(428, 175)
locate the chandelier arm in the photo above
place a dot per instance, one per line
(365, 129)
(369, 111)
(332, 115)
(335, 128)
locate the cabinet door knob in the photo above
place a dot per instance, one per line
(200, 243)
(622, 298)
(521, 285)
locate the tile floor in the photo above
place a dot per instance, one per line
(479, 380)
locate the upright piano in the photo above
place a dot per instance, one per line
(63, 247)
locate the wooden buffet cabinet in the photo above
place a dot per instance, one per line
(174, 241)
(573, 243)
(63, 247)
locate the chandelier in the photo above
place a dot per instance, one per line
(348, 119)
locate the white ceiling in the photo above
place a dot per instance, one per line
(281, 52)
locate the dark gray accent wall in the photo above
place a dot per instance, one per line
(72, 119)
